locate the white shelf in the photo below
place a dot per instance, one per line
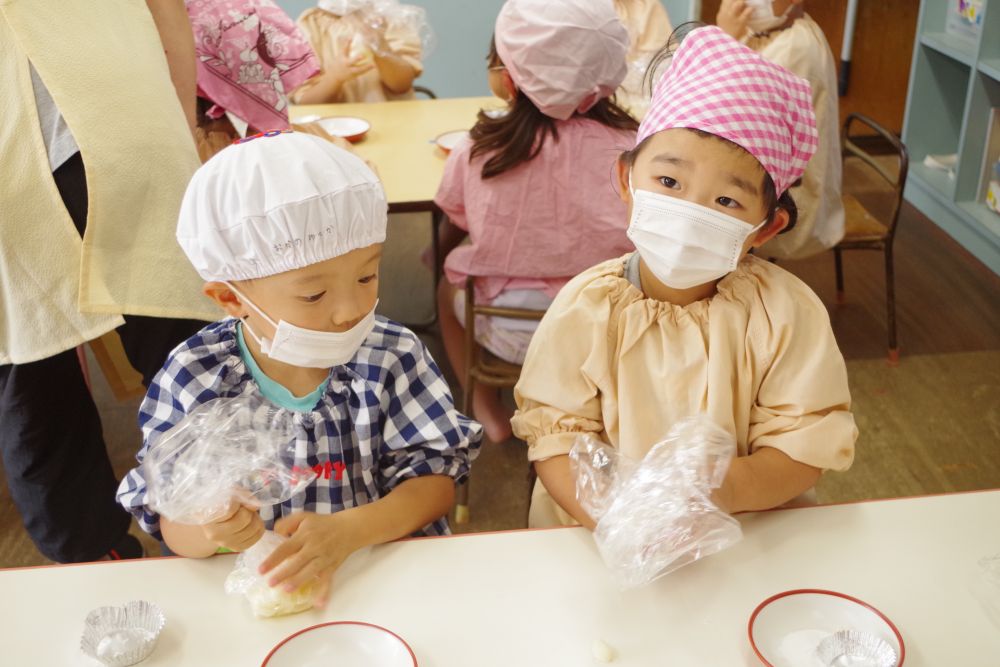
(953, 47)
(940, 182)
(983, 215)
(991, 68)
(954, 82)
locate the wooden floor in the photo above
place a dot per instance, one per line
(930, 425)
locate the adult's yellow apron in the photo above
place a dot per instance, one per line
(104, 66)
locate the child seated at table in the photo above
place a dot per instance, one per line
(649, 29)
(367, 53)
(532, 187)
(287, 230)
(781, 32)
(691, 323)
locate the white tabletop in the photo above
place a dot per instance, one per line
(543, 597)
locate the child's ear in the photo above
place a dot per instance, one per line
(508, 84)
(778, 222)
(225, 298)
(622, 169)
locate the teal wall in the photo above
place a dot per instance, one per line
(457, 66)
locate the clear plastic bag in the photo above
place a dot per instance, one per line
(266, 601)
(600, 471)
(656, 515)
(229, 449)
(374, 16)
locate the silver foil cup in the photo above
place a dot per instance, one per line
(851, 648)
(122, 636)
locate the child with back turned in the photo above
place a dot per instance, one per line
(691, 323)
(287, 230)
(532, 186)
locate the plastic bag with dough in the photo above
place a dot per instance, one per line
(266, 601)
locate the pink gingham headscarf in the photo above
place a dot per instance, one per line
(565, 55)
(250, 55)
(717, 85)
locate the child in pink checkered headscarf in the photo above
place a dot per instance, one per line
(691, 323)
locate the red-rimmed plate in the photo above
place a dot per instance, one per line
(786, 629)
(448, 140)
(348, 127)
(342, 644)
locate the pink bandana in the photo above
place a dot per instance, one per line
(250, 56)
(717, 85)
(566, 55)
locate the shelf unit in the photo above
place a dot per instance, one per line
(953, 86)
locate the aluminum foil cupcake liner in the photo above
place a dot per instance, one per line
(122, 636)
(851, 648)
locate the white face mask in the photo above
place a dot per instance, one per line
(763, 18)
(685, 244)
(308, 348)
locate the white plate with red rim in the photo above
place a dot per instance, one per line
(448, 140)
(342, 644)
(346, 127)
(786, 629)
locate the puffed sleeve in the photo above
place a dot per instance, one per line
(558, 395)
(193, 374)
(423, 433)
(404, 42)
(803, 404)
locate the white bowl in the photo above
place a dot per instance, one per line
(786, 629)
(344, 644)
(305, 120)
(348, 127)
(449, 140)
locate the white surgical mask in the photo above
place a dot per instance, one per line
(308, 348)
(682, 243)
(763, 19)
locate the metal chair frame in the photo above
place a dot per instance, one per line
(881, 242)
(484, 368)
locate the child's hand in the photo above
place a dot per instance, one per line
(734, 17)
(238, 530)
(318, 544)
(343, 68)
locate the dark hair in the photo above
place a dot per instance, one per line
(768, 191)
(667, 52)
(519, 135)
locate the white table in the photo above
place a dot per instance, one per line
(528, 598)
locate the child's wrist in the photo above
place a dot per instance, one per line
(352, 528)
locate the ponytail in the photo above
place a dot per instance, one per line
(518, 136)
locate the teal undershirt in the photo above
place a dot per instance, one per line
(273, 391)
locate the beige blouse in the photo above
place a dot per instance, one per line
(803, 50)
(327, 32)
(648, 30)
(759, 357)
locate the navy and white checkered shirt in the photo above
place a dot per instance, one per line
(385, 417)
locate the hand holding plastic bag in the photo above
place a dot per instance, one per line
(266, 601)
(229, 449)
(656, 515)
(374, 17)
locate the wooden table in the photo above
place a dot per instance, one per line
(527, 598)
(401, 145)
(401, 141)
